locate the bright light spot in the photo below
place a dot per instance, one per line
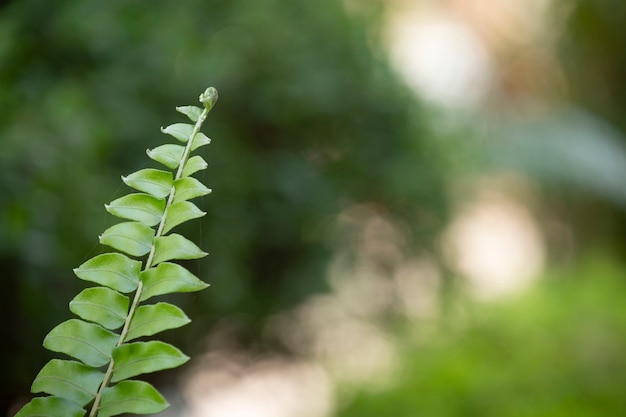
(441, 58)
(269, 388)
(497, 245)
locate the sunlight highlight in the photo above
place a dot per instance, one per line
(440, 57)
(238, 386)
(496, 244)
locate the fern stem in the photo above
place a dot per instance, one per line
(208, 98)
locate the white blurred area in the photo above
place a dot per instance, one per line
(451, 54)
(495, 242)
(440, 57)
(235, 385)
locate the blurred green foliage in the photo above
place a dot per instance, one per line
(556, 351)
(559, 349)
(310, 121)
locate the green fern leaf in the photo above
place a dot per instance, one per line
(155, 318)
(200, 140)
(193, 165)
(188, 188)
(152, 181)
(69, 379)
(84, 341)
(101, 305)
(132, 359)
(169, 155)
(51, 407)
(193, 112)
(112, 270)
(176, 247)
(132, 238)
(179, 213)
(108, 320)
(168, 278)
(180, 131)
(143, 208)
(131, 397)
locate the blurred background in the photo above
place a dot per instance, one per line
(417, 208)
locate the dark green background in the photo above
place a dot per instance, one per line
(310, 121)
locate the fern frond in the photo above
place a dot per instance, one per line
(102, 340)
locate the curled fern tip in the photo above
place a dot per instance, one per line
(209, 97)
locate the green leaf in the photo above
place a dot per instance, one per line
(84, 341)
(51, 407)
(138, 358)
(155, 318)
(169, 278)
(101, 305)
(140, 207)
(132, 238)
(113, 270)
(181, 131)
(152, 181)
(68, 379)
(199, 140)
(175, 246)
(188, 188)
(179, 213)
(131, 397)
(194, 164)
(169, 155)
(192, 112)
